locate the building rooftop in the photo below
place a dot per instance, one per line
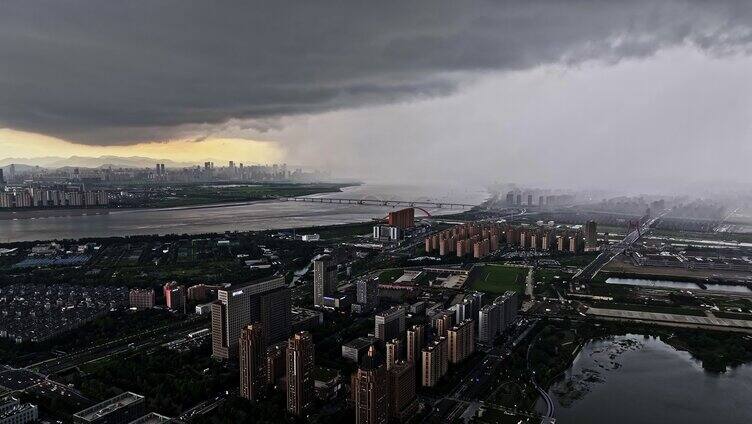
(107, 407)
(152, 418)
(359, 343)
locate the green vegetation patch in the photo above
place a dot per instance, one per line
(498, 279)
(390, 275)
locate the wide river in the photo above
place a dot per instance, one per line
(637, 380)
(60, 224)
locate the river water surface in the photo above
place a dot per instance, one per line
(639, 380)
(58, 224)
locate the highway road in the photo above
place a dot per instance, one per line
(477, 382)
(587, 273)
(145, 339)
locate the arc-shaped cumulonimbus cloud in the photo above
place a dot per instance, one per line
(119, 72)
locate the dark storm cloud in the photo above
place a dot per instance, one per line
(108, 72)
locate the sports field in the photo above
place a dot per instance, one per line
(497, 279)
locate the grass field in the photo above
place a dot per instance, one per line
(499, 278)
(389, 275)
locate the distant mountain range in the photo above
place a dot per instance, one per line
(54, 162)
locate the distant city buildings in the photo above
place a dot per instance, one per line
(50, 198)
(162, 173)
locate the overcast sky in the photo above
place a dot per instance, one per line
(553, 93)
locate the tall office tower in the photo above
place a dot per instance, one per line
(324, 279)
(591, 233)
(519, 199)
(274, 312)
(237, 307)
(370, 391)
(402, 390)
(393, 352)
(530, 200)
(390, 324)
(2, 179)
(162, 169)
(541, 200)
(510, 198)
(461, 341)
(435, 362)
(488, 323)
(252, 352)
(415, 341)
(174, 296)
(367, 294)
(442, 322)
(159, 170)
(300, 363)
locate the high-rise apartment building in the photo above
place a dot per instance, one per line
(393, 352)
(488, 323)
(174, 295)
(591, 234)
(141, 298)
(402, 400)
(442, 322)
(252, 353)
(416, 339)
(390, 324)
(266, 302)
(435, 362)
(461, 341)
(404, 218)
(299, 366)
(324, 279)
(367, 294)
(370, 390)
